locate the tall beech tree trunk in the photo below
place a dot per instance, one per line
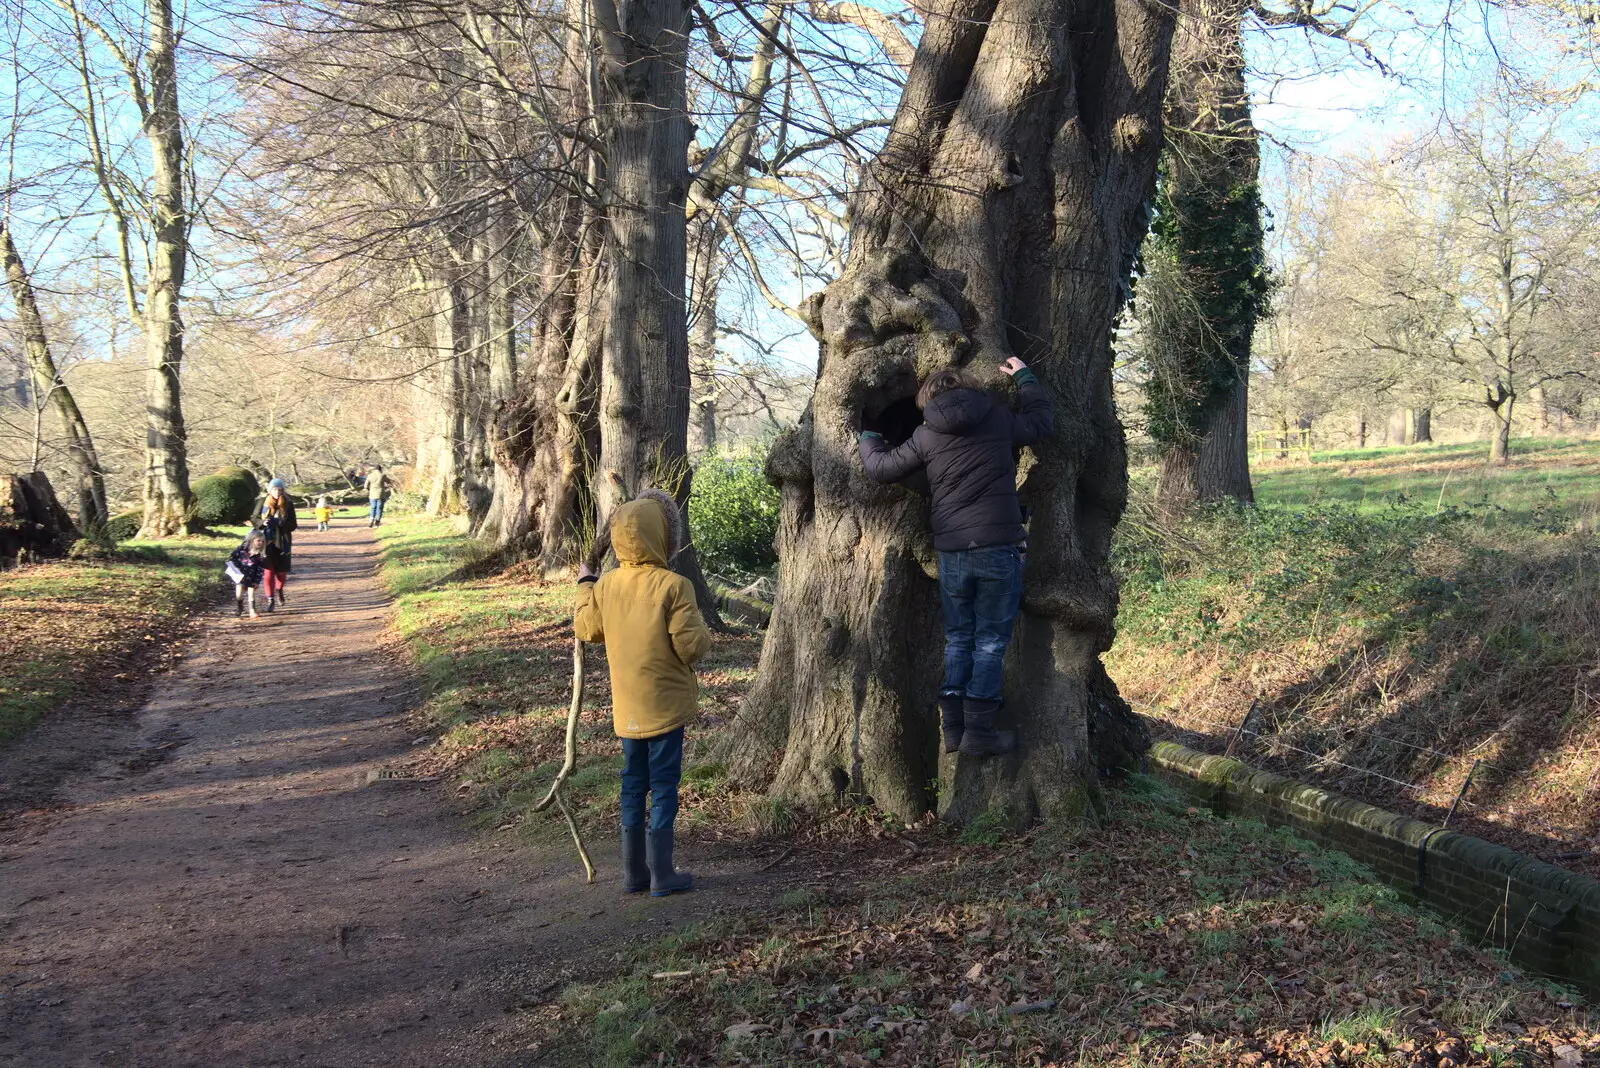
(1205, 281)
(705, 275)
(447, 395)
(1224, 464)
(1422, 426)
(644, 380)
(166, 482)
(47, 380)
(545, 436)
(1001, 218)
(502, 343)
(644, 384)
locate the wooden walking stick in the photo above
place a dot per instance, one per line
(571, 759)
(595, 560)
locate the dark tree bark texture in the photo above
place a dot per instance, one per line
(545, 437)
(1000, 219)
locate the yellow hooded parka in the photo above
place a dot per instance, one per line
(647, 618)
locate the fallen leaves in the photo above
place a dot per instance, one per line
(1268, 954)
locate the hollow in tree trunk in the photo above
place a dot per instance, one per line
(1000, 219)
(47, 380)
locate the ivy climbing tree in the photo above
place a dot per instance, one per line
(1203, 282)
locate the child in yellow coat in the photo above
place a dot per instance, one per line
(324, 513)
(647, 617)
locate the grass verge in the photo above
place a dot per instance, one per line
(1403, 639)
(70, 624)
(1164, 936)
(1542, 472)
(495, 655)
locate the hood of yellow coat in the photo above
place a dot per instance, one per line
(639, 533)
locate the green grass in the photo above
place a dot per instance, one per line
(1164, 936)
(1369, 621)
(1543, 473)
(68, 625)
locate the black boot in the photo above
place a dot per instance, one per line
(635, 870)
(950, 718)
(980, 738)
(664, 878)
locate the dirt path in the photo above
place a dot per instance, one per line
(230, 890)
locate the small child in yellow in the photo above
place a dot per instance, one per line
(324, 513)
(647, 617)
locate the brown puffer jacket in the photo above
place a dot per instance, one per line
(647, 618)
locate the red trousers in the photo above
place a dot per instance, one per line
(272, 581)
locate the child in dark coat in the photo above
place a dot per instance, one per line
(245, 567)
(968, 444)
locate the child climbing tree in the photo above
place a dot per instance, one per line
(1000, 219)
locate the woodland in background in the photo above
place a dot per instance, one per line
(535, 258)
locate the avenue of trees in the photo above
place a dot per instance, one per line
(538, 256)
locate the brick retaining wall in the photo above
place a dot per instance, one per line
(1548, 917)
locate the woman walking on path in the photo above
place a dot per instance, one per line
(278, 523)
(377, 494)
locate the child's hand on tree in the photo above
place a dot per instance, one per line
(1013, 365)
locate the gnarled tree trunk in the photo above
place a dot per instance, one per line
(47, 380)
(1000, 219)
(544, 437)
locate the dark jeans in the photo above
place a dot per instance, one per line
(376, 505)
(980, 590)
(653, 766)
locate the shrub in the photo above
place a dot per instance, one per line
(733, 515)
(124, 525)
(225, 498)
(96, 544)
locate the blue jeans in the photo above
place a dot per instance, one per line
(376, 505)
(653, 766)
(980, 591)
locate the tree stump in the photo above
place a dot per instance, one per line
(32, 521)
